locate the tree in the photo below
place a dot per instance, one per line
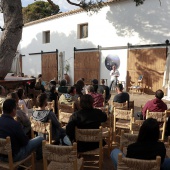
(13, 23)
(38, 10)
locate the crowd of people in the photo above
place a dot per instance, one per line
(14, 121)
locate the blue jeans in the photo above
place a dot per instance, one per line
(114, 157)
(33, 145)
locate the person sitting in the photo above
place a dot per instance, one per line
(69, 97)
(44, 115)
(39, 86)
(121, 97)
(147, 146)
(155, 105)
(80, 87)
(42, 81)
(21, 102)
(2, 97)
(78, 90)
(63, 88)
(86, 118)
(96, 86)
(106, 88)
(21, 145)
(21, 116)
(98, 98)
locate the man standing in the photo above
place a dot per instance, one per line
(21, 145)
(114, 73)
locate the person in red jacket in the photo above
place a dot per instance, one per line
(155, 105)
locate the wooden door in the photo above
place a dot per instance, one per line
(87, 66)
(147, 62)
(49, 66)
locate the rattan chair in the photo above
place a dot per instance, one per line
(136, 124)
(64, 116)
(66, 108)
(61, 157)
(5, 149)
(138, 164)
(161, 118)
(43, 128)
(120, 105)
(122, 119)
(91, 135)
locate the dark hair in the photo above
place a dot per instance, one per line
(119, 86)
(86, 101)
(102, 81)
(20, 93)
(94, 81)
(41, 98)
(82, 79)
(90, 88)
(95, 86)
(53, 82)
(14, 96)
(63, 82)
(70, 89)
(8, 106)
(149, 131)
(78, 89)
(52, 88)
(159, 94)
(80, 83)
(39, 75)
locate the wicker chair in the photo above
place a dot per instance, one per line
(120, 105)
(126, 139)
(161, 118)
(5, 149)
(91, 135)
(66, 108)
(64, 117)
(136, 124)
(61, 157)
(51, 106)
(40, 127)
(133, 164)
(122, 119)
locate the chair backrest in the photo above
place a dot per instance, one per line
(66, 108)
(136, 124)
(123, 114)
(127, 139)
(131, 104)
(59, 156)
(120, 105)
(161, 118)
(41, 127)
(64, 116)
(133, 164)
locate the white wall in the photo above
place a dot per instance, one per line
(115, 25)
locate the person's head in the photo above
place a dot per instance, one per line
(53, 89)
(71, 90)
(42, 100)
(14, 96)
(9, 107)
(86, 101)
(159, 94)
(95, 82)
(20, 93)
(149, 131)
(80, 83)
(53, 82)
(82, 79)
(39, 76)
(63, 82)
(78, 89)
(89, 89)
(2, 91)
(102, 81)
(119, 87)
(22, 74)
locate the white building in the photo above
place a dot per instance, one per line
(116, 24)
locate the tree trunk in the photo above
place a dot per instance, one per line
(11, 36)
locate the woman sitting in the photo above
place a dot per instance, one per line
(86, 118)
(147, 146)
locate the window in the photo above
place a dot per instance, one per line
(46, 37)
(83, 30)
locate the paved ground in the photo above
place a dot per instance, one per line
(139, 99)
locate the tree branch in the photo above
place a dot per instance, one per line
(72, 3)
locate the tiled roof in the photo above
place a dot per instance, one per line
(59, 15)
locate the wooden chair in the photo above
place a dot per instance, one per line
(43, 128)
(5, 149)
(51, 106)
(61, 157)
(131, 104)
(64, 117)
(127, 139)
(136, 124)
(91, 135)
(133, 164)
(120, 105)
(122, 119)
(161, 118)
(66, 108)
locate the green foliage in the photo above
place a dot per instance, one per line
(38, 10)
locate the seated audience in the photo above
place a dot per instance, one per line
(69, 97)
(86, 118)
(2, 97)
(42, 81)
(78, 90)
(98, 98)
(39, 86)
(106, 88)
(63, 88)
(96, 86)
(44, 115)
(21, 116)
(121, 96)
(21, 101)
(21, 145)
(147, 146)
